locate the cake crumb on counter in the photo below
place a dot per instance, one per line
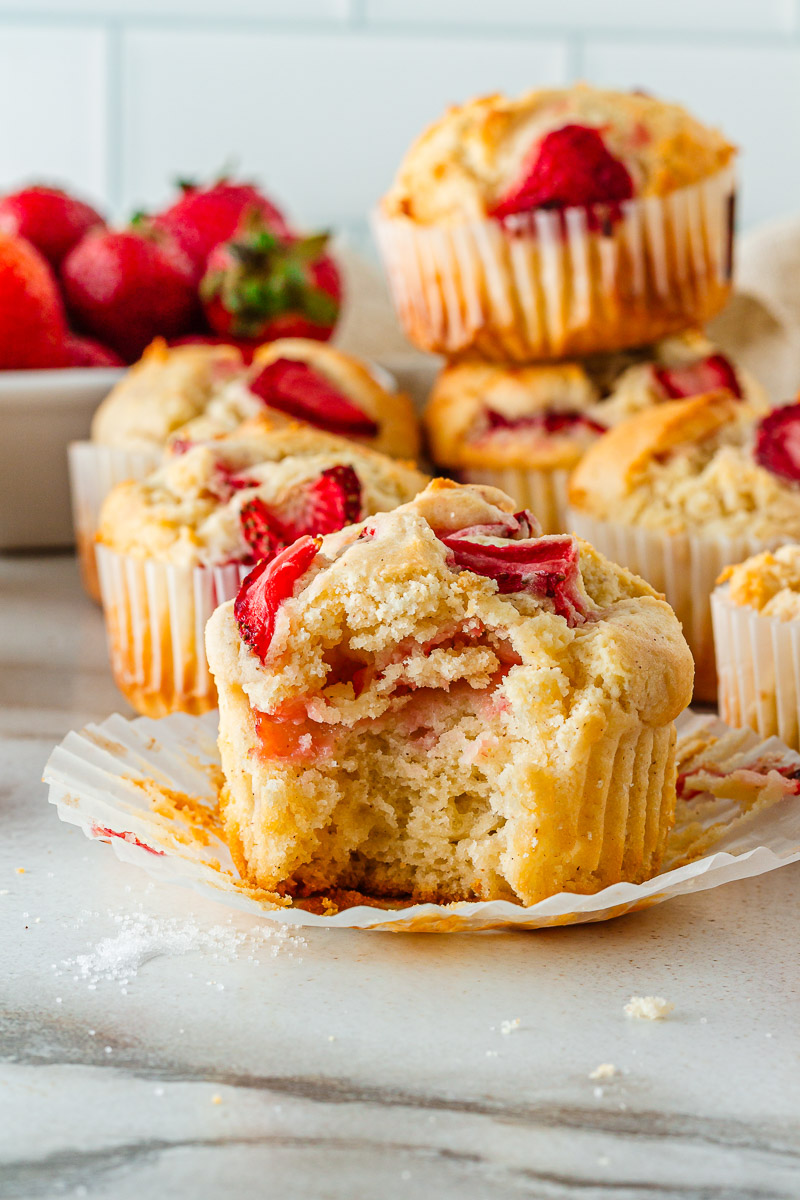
(507, 1027)
(648, 1008)
(603, 1071)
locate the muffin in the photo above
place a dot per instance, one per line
(296, 379)
(173, 546)
(198, 392)
(682, 490)
(756, 614)
(564, 222)
(441, 705)
(156, 396)
(523, 428)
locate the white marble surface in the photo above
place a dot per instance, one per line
(363, 1065)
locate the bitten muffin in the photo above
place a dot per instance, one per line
(441, 705)
(756, 613)
(680, 491)
(174, 545)
(562, 222)
(296, 379)
(524, 428)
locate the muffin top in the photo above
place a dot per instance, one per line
(242, 498)
(161, 392)
(551, 148)
(452, 586)
(545, 416)
(707, 464)
(297, 379)
(768, 582)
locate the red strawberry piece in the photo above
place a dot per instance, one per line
(127, 286)
(265, 589)
(260, 531)
(296, 389)
(778, 442)
(50, 219)
(326, 505)
(260, 285)
(246, 348)
(570, 167)
(33, 326)
(86, 352)
(693, 379)
(548, 421)
(205, 216)
(544, 566)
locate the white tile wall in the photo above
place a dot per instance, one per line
(320, 97)
(53, 85)
(324, 119)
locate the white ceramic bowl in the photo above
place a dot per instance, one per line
(41, 412)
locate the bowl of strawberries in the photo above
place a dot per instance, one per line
(80, 300)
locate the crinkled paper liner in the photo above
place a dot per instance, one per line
(684, 567)
(543, 492)
(150, 788)
(546, 284)
(156, 615)
(758, 664)
(93, 471)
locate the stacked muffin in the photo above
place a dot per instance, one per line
(563, 250)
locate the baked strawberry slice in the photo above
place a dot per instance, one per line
(326, 505)
(571, 167)
(778, 442)
(549, 420)
(264, 590)
(296, 389)
(260, 530)
(693, 379)
(544, 566)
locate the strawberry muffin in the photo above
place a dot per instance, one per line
(174, 545)
(564, 222)
(524, 428)
(154, 398)
(756, 614)
(298, 379)
(680, 491)
(439, 704)
(197, 392)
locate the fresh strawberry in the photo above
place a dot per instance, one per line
(260, 285)
(570, 167)
(296, 389)
(692, 379)
(205, 216)
(548, 421)
(326, 505)
(778, 442)
(246, 347)
(265, 589)
(50, 219)
(33, 327)
(86, 352)
(126, 286)
(543, 566)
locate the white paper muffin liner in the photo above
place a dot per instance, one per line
(685, 567)
(155, 616)
(119, 782)
(758, 665)
(546, 285)
(93, 471)
(543, 492)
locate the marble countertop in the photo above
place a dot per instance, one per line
(337, 1064)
